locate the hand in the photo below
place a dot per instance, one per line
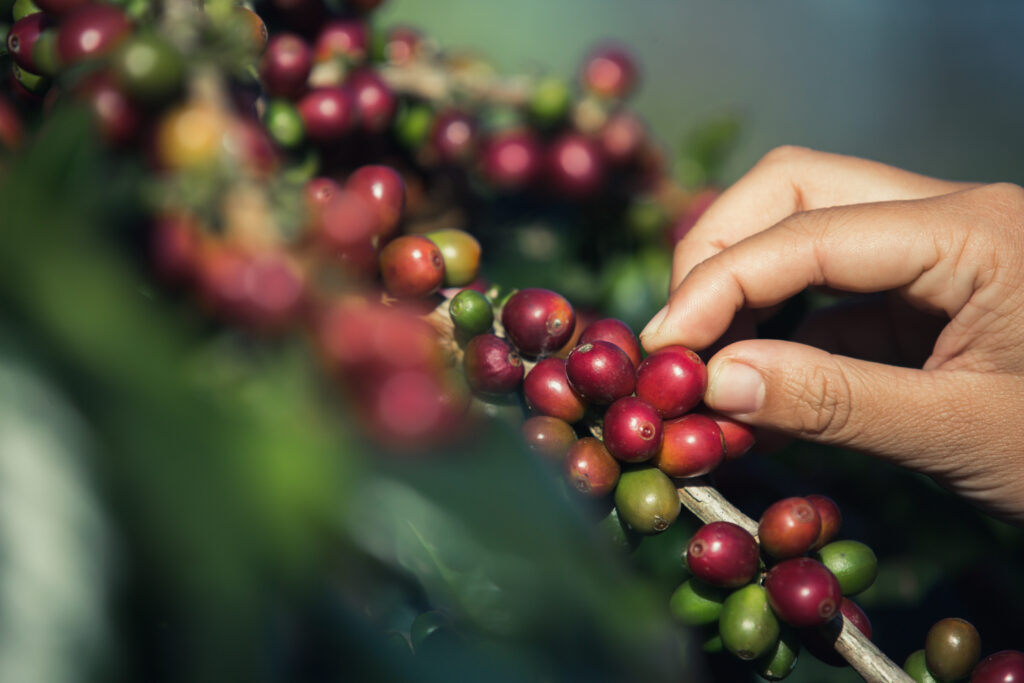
(802, 218)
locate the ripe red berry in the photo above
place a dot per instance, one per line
(692, 446)
(382, 188)
(90, 31)
(412, 266)
(492, 365)
(723, 554)
(274, 292)
(511, 160)
(632, 430)
(317, 193)
(549, 437)
(402, 44)
(739, 437)
(621, 137)
(538, 321)
(327, 113)
(821, 641)
(175, 247)
(672, 379)
(616, 332)
(802, 592)
(22, 38)
(344, 221)
(58, 7)
(831, 518)
(118, 118)
(374, 99)
(547, 391)
(413, 409)
(610, 71)
(344, 39)
(453, 136)
(575, 166)
(788, 528)
(1006, 666)
(601, 372)
(285, 66)
(590, 468)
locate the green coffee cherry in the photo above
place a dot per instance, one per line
(471, 313)
(413, 124)
(852, 562)
(620, 538)
(780, 661)
(712, 643)
(148, 67)
(461, 253)
(44, 53)
(283, 123)
(917, 669)
(550, 100)
(23, 8)
(34, 83)
(748, 626)
(696, 603)
(647, 500)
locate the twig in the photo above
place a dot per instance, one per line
(709, 505)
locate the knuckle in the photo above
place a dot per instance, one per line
(785, 155)
(822, 402)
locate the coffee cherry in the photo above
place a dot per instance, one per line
(471, 313)
(327, 113)
(511, 160)
(547, 391)
(273, 292)
(591, 469)
(550, 101)
(538, 321)
(190, 136)
(57, 8)
(780, 660)
(283, 123)
(821, 641)
(549, 437)
(382, 188)
(22, 38)
(917, 669)
(119, 120)
(148, 67)
(402, 45)
(697, 603)
(647, 500)
(738, 437)
(601, 372)
(453, 136)
(492, 366)
(347, 40)
(788, 528)
(461, 254)
(31, 84)
(621, 137)
(23, 8)
(575, 166)
(343, 222)
(375, 101)
(632, 429)
(413, 409)
(616, 332)
(803, 592)
(1006, 666)
(412, 267)
(620, 538)
(831, 518)
(90, 31)
(747, 625)
(723, 554)
(952, 648)
(285, 66)
(175, 246)
(692, 446)
(673, 380)
(853, 563)
(250, 28)
(610, 72)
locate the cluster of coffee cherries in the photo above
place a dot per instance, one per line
(951, 652)
(763, 598)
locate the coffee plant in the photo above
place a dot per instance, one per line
(449, 257)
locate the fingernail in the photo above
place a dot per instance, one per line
(656, 321)
(735, 388)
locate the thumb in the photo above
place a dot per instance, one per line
(815, 395)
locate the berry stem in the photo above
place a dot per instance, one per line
(709, 505)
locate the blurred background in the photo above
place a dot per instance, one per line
(181, 503)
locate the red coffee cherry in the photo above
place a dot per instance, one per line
(56, 8)
(345, 39)
(375, 101)
(616, 332)
(342, 220)
(632, 430)
(382, 188)
(831, 519)
(538, 321)
(601, 372)
(548, 437)
(22, 38)
(402, 44)
(590, 468)
(90, 31)
(692, 446)
(575, 166)
(673, 380)
(723, 554)
(285, 66)
(739, 437)
(117, 116)
(317, 193)
(622, 137)
(511, 160)
(610, 71)
(547, 391)
(492, 366)
(802, 592)
(411, 266)
(327, 113)
(175, 245)
(789, 528)
(454, 136)
(1006, 666)
(821, 641)
(413, 409)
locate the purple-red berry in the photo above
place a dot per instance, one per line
(601, 372)
(614, 331)
(538, 321)
(327, 113)
(831, 518)
(383, 189)
(632, 430)
(723, 554)
(492, 365)
(285, 66)
(692, 446)
(590, 468)
(673, 380)
(789, 528)
(412, 267)
(1006, 666)
(803, 592)
(547, 391)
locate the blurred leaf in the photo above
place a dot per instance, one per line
(704, 151)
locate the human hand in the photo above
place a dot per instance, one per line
(802, 218)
